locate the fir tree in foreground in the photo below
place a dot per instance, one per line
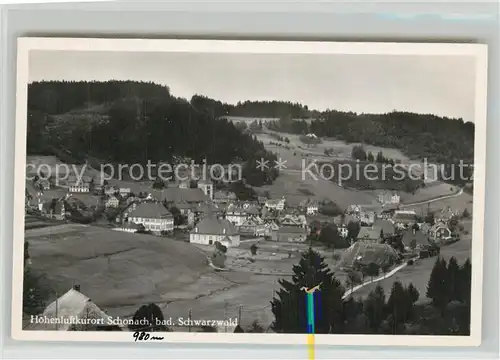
(289, 307)
(437, 288)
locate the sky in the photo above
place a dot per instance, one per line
(440, 85)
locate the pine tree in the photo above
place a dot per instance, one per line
(397, 307)
(413, 293)
(150, 314)
(374, 307)
(453, 279)
(289, 307)
(437, 287)
(464, 283)
(35, 293)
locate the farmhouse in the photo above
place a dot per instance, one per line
(211, 229)
(414, 238)
(386, 226)
(369, 234)
(291, 234)
(73, 311)
(153, 216)
(363, 253)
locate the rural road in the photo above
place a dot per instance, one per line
(458, 193)
(380, 278)
(443, 197)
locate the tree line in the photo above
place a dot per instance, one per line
(447, 313)
(133, 123)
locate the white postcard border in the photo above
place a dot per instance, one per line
(479, 51)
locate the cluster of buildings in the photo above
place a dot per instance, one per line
(210, 215)
(381, 222)
(218, 216)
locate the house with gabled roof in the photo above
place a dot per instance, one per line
(369, 234)
(253, 225)
(293, 220)
(72, 311)
(439, 231)
(153, 216)
(238, 213)
(386, 226)
(416, 237)
(224, 197)
(292, 234)
(112, 201)
(212, 229)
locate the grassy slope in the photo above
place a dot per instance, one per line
(118, 271)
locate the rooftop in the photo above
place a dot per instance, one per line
(72, 304)
(211, 225)
(150, 210)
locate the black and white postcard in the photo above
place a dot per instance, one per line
(261, 192)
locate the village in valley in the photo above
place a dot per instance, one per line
(203, 248)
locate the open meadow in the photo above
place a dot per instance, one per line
(299, 155)
(121, 271)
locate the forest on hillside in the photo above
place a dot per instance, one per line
(132, 122)
(127, 121)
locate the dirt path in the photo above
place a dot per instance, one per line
(380, 278)
(458, 193)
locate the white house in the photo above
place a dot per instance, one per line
(79, 187)
(125, 192)
(275, 204)
(389, 197)
(211, 229)
(153, 216)
(312, 208)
